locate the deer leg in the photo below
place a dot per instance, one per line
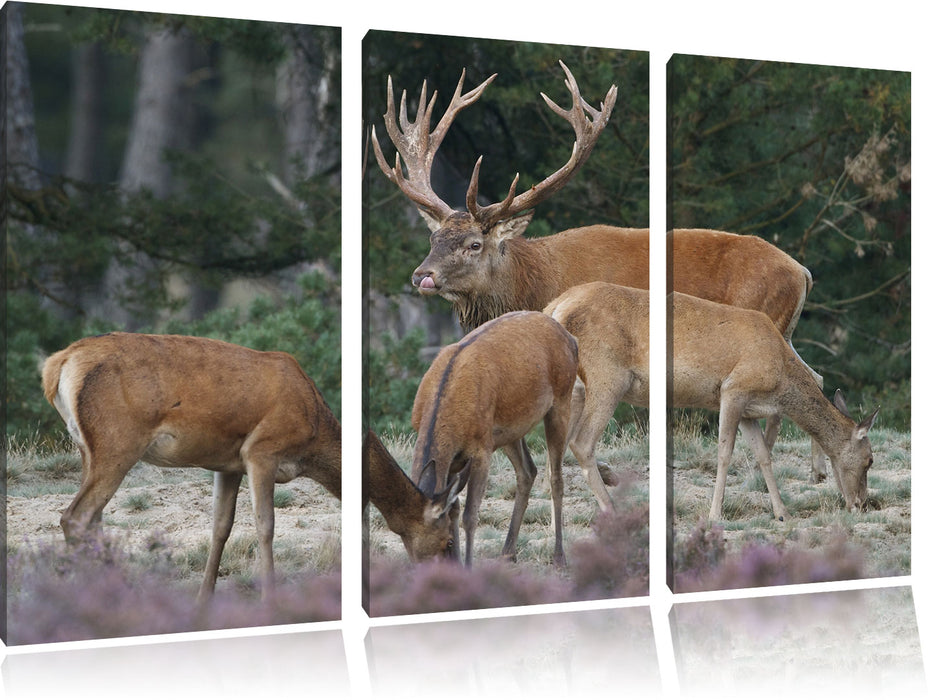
(102, 474)
(477, 483)
(224, 504)
(260, 475)
(556, 425)
(519, 456)
(579, 393)
(818, 465)
(817, 456)
(771, 430)
(755, 438)
(728, 418)
(600, 403)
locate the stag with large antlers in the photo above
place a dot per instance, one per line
(179, 401)
(480, 261)
(462, 266)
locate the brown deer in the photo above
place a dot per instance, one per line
(178, 401)
(480, 261)
(427, 525)
(487, 392)
(723, 358)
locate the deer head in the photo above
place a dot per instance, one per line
(465, 247)
(427, 523)
(852, 463)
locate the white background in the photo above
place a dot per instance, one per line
(302, 660)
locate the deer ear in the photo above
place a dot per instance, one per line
(862, 429)
(442, 502)
(457, 484)
(510, 228)
(427, 478)
(839, 402)
(433, 223)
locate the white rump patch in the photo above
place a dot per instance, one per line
(66, 402)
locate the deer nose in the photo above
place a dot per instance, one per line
(423, 280)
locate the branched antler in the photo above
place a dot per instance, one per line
(586, 135)
(418, 146)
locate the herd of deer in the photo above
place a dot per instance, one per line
(559, 333)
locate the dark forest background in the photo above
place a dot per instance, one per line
(173, 174)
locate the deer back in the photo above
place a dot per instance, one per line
(743, 271)
(489, 389)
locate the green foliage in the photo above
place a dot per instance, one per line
(31, 330)
(816, 159)
(210, 231)
(394, 371)
(227, 217)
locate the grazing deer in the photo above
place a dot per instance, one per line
(480, 261)
(428, 525)
(178, 401)
(724, 358)
(487, 392)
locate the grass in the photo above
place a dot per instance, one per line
(880, 534)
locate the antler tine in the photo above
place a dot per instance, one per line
(586, 135)
(417, 146)
(456, 105)
(411, 140)
(471, 199)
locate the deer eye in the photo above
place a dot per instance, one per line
(450, 545)
(476, 245)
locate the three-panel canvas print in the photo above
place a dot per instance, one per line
(176, 244)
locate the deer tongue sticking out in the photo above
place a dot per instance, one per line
(427, 283)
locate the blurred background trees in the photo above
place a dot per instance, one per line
(184, 177)
(511, 126)
(816, 159)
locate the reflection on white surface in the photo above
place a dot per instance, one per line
(305, 664)
(563, 655)
(851, 644)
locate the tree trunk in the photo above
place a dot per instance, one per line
(163, 119)
(308, 94)
(163, 116)
(84, 138)
(22, 148)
